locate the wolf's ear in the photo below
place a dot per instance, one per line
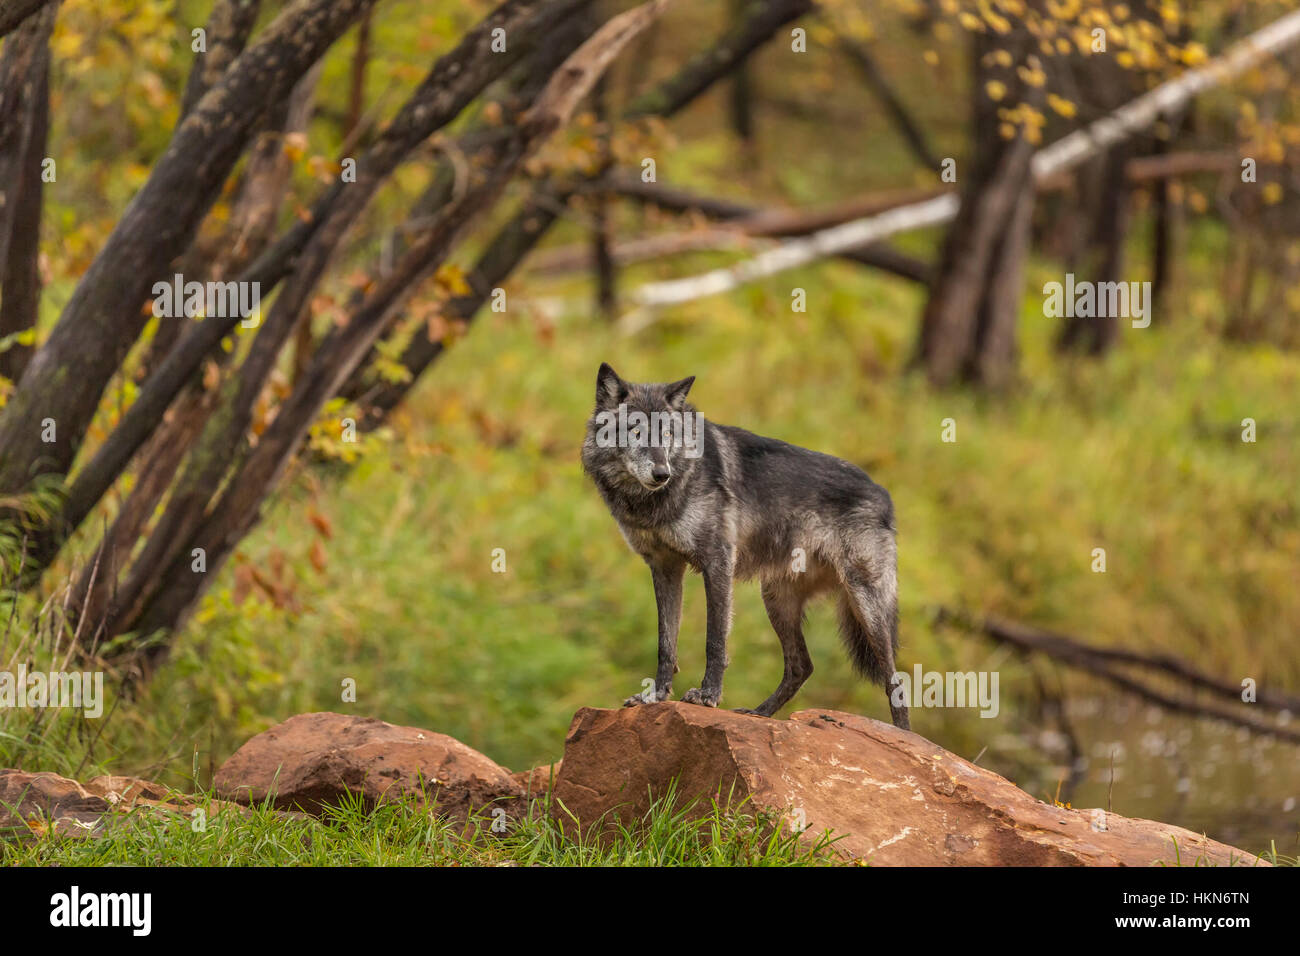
(675, 392)
(610, 389)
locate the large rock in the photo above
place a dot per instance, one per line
(313, 761)
(894, 797)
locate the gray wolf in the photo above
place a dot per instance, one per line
(733, 505)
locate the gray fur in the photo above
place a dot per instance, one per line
(738, 511)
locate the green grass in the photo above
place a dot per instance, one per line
(671, 833)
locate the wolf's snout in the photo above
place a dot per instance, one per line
(661, 473)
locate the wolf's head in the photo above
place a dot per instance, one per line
(640, 436)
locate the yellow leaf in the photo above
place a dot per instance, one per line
(452, 279)
(295, 146)
(1061, 105)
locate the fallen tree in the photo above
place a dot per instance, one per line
(742, 222)
(1109, 663)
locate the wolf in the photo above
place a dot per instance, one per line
(735, 506)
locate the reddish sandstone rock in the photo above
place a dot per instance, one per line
(537, 782)
(126, 790)
(38, 802)
(314, 760)
(894, 797)
(32, 801)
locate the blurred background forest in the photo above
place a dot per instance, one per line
(415, 395)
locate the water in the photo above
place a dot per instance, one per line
(1141, 761)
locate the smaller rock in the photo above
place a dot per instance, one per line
(123, 792)
(37, 802)
(313, 761)
(31, 802)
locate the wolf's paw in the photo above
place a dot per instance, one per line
(746, 710)
(697, 696)
(645, 697)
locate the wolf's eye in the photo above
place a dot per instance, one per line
(636, 432)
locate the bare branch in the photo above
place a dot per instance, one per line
(762, 18)
(879, 84)
(1101, 662)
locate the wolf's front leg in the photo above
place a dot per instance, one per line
(667, 572)
(717, 591)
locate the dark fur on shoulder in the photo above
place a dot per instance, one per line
(736, 505)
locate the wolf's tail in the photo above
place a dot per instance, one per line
(869, 628)
(869, 625)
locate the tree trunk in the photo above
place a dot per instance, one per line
(968, 327)
(237, 507)
(1097, 334)
(21, 293)
(67, 376)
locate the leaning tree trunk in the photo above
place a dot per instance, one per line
(65, 379)
(456, 79)
(221, 258)
(235, 509)
(24, 127)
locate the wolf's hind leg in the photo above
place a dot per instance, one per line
(784, 605)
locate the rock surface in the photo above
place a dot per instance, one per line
(313, 761)
(537, 782)
(32, 801)
(38, 802)
(120, 791)
(895, 797)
